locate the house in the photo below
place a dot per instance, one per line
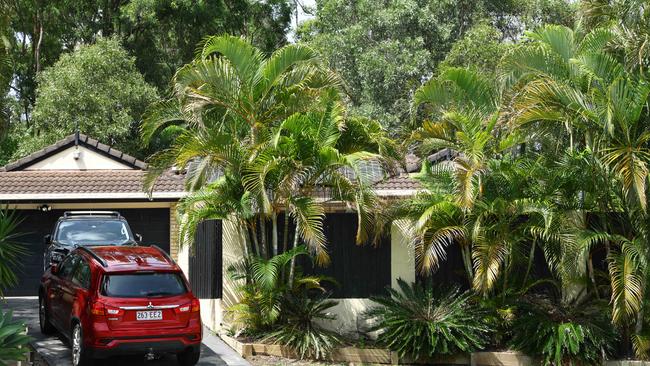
(81, 173)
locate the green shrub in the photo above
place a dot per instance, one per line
(13, 340)
(265, 283)
(298, 329)
(421, 323)
(575, 334)
(10, 250)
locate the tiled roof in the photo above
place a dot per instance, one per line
(401, 183)
(71, 140)
(85, 183)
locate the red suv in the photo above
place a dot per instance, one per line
(121, 300)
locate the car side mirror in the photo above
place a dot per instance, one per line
(47, 239)
(54, 268)
(138, 238)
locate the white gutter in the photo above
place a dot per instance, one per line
(90, 196)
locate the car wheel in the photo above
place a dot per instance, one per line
(44, 318)
(80, 355)
(190, 357)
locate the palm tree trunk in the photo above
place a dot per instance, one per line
(285, 237)
(531, 259)
(244, 235)
(253, 235)
(265, 251)
(590, 269)
(467, 261)
(293, 260)
(274, 234)
(639, 320)
(506, 274)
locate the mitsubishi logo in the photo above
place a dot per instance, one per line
(150, 306)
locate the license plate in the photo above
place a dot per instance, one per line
(149, 315)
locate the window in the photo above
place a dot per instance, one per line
(68, 266)
(93, 232)
(143, 285)
(82, 275)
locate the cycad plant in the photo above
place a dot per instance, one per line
(299, 329)
(563, 334)
(13, 339)
(421, 323)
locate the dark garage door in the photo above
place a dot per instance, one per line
(151, 223)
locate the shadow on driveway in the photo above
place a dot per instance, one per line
(57, 352)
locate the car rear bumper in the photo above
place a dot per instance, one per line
(119, 347)
(105, 342)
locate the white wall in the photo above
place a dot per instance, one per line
(86, 160)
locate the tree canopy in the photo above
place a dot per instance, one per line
(98, 89)
(385, 50)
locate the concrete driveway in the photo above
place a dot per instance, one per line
(56, 352)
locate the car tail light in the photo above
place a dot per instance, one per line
(194, 307)
(102, 309)
(97, 308)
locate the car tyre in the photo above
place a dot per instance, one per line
(190, 357)
(80, 355)
(44, 318)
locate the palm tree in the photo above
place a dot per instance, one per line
(233, 90)
(458, 207)
(464, 110)
(260, 138)
(303, 158)
(629, 20)
(593, 94)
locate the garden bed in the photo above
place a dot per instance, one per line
(382, 356)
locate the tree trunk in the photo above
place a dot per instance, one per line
(265, 251)
(590, 270)
(285, 237)
(253, 234)
(467, 261)
(274, 234)
(37, 49)
(531, 259)
(293, 260)
(243, 234)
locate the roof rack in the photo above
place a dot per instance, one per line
(94, 255)
(163, 252)
(91, 213)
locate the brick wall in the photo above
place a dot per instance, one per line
(173, 233)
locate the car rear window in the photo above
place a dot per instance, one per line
(154, 284)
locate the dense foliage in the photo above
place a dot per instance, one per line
(530, 121)
(97, 89)
(299, 328)
(423, 322)
(579, 334)
(281, 307)
(13, 339)
(384, 50)
(547, 177)
(11, 251)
